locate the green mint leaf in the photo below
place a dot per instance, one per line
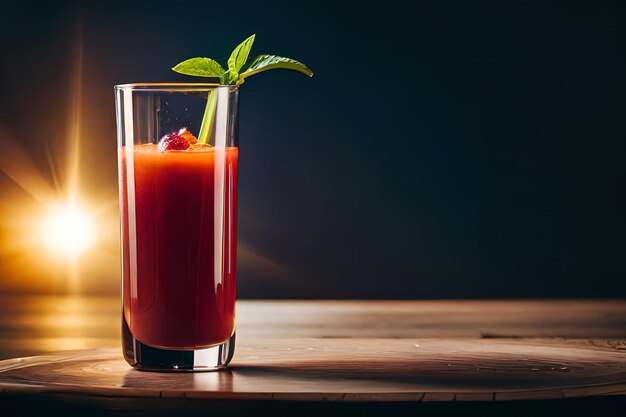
(239, 56)
(228, 78)
(267, 62)
(200, 67)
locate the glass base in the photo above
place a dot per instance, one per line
(147, 358)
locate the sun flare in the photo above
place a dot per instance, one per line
(68, 230)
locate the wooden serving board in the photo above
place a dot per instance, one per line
(370, 351)
(348, 370)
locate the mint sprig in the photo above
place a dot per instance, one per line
(207, 67)
(236, 73)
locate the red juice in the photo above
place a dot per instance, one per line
(179, 245)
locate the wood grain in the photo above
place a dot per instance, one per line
(459, 318)
(373, 351)
(347, 370)
(31, 325)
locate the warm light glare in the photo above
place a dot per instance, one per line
(69, 231)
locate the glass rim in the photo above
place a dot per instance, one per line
(172, 86)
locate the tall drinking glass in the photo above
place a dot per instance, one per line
(178, 226)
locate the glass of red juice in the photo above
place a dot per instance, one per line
(178, 158)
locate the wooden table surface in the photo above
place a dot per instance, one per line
(349, 351)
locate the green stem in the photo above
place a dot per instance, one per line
(208, 118)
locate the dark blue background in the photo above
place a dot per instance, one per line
(443, 149)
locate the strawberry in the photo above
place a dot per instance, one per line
(177, 141)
